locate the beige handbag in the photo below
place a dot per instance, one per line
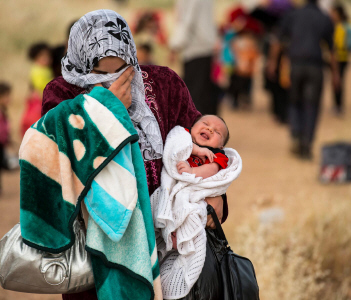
(28, 270)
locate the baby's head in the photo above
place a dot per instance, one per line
(210, 131)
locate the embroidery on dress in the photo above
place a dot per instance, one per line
(150, 98)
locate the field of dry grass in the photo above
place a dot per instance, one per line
(295, 230)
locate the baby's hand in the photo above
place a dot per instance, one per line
(204, 152)
(183, 166)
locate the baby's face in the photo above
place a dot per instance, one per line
(209, 131)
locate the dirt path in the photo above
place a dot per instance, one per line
(270, 176)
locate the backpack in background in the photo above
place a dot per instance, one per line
(336, 163)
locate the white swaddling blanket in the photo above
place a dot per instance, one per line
(178, 205)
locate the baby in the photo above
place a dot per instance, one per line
(209, 135)
(195, 167)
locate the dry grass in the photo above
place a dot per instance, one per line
(304, 260)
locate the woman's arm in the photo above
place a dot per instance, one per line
(220, 206)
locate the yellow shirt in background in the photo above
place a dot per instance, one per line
(340, 42)
(40, 76)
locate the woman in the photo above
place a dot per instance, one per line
(89, 62)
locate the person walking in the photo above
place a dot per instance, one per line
(165, 95)
(195, 38)
(305, 28)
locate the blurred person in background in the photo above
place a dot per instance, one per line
(269, 13)
(145, 54)
(342, 43)
(149, 38)
(239, 55)
(32, 111)
(5, 99)
(58, 52)
(40, 72)
(245, 49)
(194, 38)
(305, 30)
(40, 75)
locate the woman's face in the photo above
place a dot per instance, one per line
(109, 64)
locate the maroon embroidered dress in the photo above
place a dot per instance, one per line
(168, 98)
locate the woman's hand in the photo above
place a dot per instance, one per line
(122, 87)
(217, 204)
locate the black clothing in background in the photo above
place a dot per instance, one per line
(197, 77)
(57, 54)
(280, 95)
(305, 96)
(306, 28)
(338, 93)
(240, 89)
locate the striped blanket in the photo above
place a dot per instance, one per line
(86, 149)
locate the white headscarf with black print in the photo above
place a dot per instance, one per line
(103, 33)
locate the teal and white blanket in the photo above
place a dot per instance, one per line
(86, 149)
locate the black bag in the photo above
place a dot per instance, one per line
(225, 275)
(336, 163)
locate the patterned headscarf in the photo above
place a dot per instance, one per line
(103, 33)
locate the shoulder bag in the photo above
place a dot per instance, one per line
(225, 275)
(29, 270)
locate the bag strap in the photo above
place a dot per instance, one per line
(219, 229)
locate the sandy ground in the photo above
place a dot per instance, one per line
(271, 177)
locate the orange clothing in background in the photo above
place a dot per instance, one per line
(246, 54)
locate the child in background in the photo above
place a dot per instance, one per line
(32, 112)
(40, 73)
(150, 38)
(245, 50)
(239, 54)
(5, 98)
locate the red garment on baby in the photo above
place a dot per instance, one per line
(221, 159)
